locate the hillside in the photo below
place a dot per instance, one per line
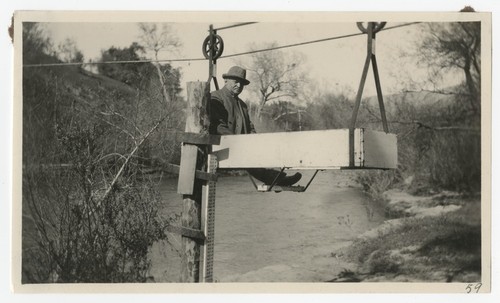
(65, 97)
(68, 84)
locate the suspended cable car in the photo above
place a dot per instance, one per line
(352, 148)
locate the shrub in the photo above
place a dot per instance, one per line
(455, 161)
(376, 182)
(79, 228)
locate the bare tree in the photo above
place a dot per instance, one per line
(456, 45)
(157, 38)
(276, 75)
(67, 51)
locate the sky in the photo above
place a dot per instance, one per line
(334, 66)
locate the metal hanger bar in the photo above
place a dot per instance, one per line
(276, 179)
(379, 94)
(369, 52)
(253, 181)
(305, 188)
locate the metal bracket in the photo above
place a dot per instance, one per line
(186, 232)
(175, 169)
(197, 139)
(212, 53)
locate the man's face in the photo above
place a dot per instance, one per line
(235, 86)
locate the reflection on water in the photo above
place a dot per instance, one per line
(254, 230)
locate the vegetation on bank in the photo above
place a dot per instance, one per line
(91, 212)
(442, 247)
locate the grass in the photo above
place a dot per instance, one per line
(445, 248)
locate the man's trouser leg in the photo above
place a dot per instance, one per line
(269, 175)
(265, 175)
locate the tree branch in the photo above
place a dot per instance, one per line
(440, 92)
(438, 128)
(127, 159)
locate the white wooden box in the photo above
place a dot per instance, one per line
(320, 149)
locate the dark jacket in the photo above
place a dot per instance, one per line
(228, 114)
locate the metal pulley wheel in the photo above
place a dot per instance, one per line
(377, 26)
(215, 50)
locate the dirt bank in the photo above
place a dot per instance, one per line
(427, 239)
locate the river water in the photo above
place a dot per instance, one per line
(264, 237)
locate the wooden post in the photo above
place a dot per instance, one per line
(189, 186)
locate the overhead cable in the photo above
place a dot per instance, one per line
(227, 56)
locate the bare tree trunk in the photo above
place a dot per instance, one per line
(471, 86)
(162, 83)
(261, 107)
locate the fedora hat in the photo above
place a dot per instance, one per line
(237, 73)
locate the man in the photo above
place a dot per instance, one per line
(229, 116)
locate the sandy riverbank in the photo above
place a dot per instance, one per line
(427, 239)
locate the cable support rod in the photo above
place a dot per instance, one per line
(227, 56)
(234, 25)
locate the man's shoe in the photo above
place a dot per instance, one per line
(289, 180)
